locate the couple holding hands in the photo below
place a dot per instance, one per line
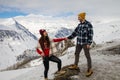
(84, 34)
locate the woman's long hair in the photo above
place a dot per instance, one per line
(44, 39)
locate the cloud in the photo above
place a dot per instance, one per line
(62, 7)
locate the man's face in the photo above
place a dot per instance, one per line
(80, 19)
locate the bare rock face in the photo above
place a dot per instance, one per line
(113, 50)
(68, 73)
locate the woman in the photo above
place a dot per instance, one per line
(45, 50)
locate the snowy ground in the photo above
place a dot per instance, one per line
(105, 67)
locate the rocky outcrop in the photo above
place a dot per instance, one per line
(68, 74)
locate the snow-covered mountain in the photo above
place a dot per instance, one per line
(14, 40)
(105, 29)
(63, 32)
(51, 24)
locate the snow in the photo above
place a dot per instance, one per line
(102, 64)
(105, 30)
(9, 75)
(52, 25)
(14, 40)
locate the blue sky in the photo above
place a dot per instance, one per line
(59, 8)
(11, 14)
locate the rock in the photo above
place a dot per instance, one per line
(93, 44)
(68, 73)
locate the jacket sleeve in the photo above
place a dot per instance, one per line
(58, 39)
(74, 34)
(90, 33)
(38, 49)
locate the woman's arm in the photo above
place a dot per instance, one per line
(39, 51)
(59, 39)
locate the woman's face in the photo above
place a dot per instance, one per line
(45, 33)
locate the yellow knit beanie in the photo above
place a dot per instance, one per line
(82, 15)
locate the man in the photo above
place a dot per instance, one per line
(84, 33)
